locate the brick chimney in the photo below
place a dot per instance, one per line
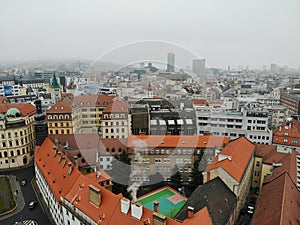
(54, 150)
(156, 206)
(190, 211)
(95, 195)
(70, 168)
(59, 156)
(159, 219)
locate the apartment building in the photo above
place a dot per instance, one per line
(161, 154)
(17, 134)
(90, 111)
(292, 102)
(234, 166)
(79, 114)
(288, 134)
(62, 118)
(250, 122)
(116, 121)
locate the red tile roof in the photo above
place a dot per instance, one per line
(93, 100)
(201, 217)
(289, 131)
(181, 141)
(279, 202)
(55, 173)
(62, 106)
(199, 102)
(26, 109)
(241, 151)
(116, 107)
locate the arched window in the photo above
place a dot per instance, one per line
(5, 154)
(12, 153)
(18, 152)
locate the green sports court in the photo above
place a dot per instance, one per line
(170, 201)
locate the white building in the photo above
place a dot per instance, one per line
(251, 122)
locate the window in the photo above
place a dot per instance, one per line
(285, 140)
(49, 117)
(257, 164)
(294, 141)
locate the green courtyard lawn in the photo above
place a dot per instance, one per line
(7, 201)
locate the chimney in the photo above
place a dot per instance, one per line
(76, 161)
(59, 156)
(54, 150)
(159, 219)
(136, 210)
(125, 205)
(63, 160)
(156, 205)
(95, 195)
(69, 168)
(190, 211)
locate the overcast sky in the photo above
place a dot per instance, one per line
(224, 32)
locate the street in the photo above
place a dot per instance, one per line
(37, 213)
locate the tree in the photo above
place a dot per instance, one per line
(176, 179)
(120, 174)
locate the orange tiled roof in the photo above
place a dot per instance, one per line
(62, 106)
(241, 151)
(93, 100)
(279, 202)
(177, 141)
(288, 164)
(55, 173)
(200, 102)
(26, 109)
(116, 107)
(201, 217)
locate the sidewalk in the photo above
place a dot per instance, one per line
(41, 201)
(18, 196)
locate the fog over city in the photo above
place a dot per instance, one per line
(232, 32)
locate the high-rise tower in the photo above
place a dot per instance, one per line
(171, 62)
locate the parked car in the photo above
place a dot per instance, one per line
(23, 182)
(32, 204)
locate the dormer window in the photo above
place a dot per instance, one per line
(49, 117)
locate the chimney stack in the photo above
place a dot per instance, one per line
(76, 161)
(69, 168)
(95, 195)
(63, 160)
(156, 205)
(159, 219)
(54, 150)
(190, 211)
(59, 157)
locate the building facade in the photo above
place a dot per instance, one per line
(251, 122)
(17, 135)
